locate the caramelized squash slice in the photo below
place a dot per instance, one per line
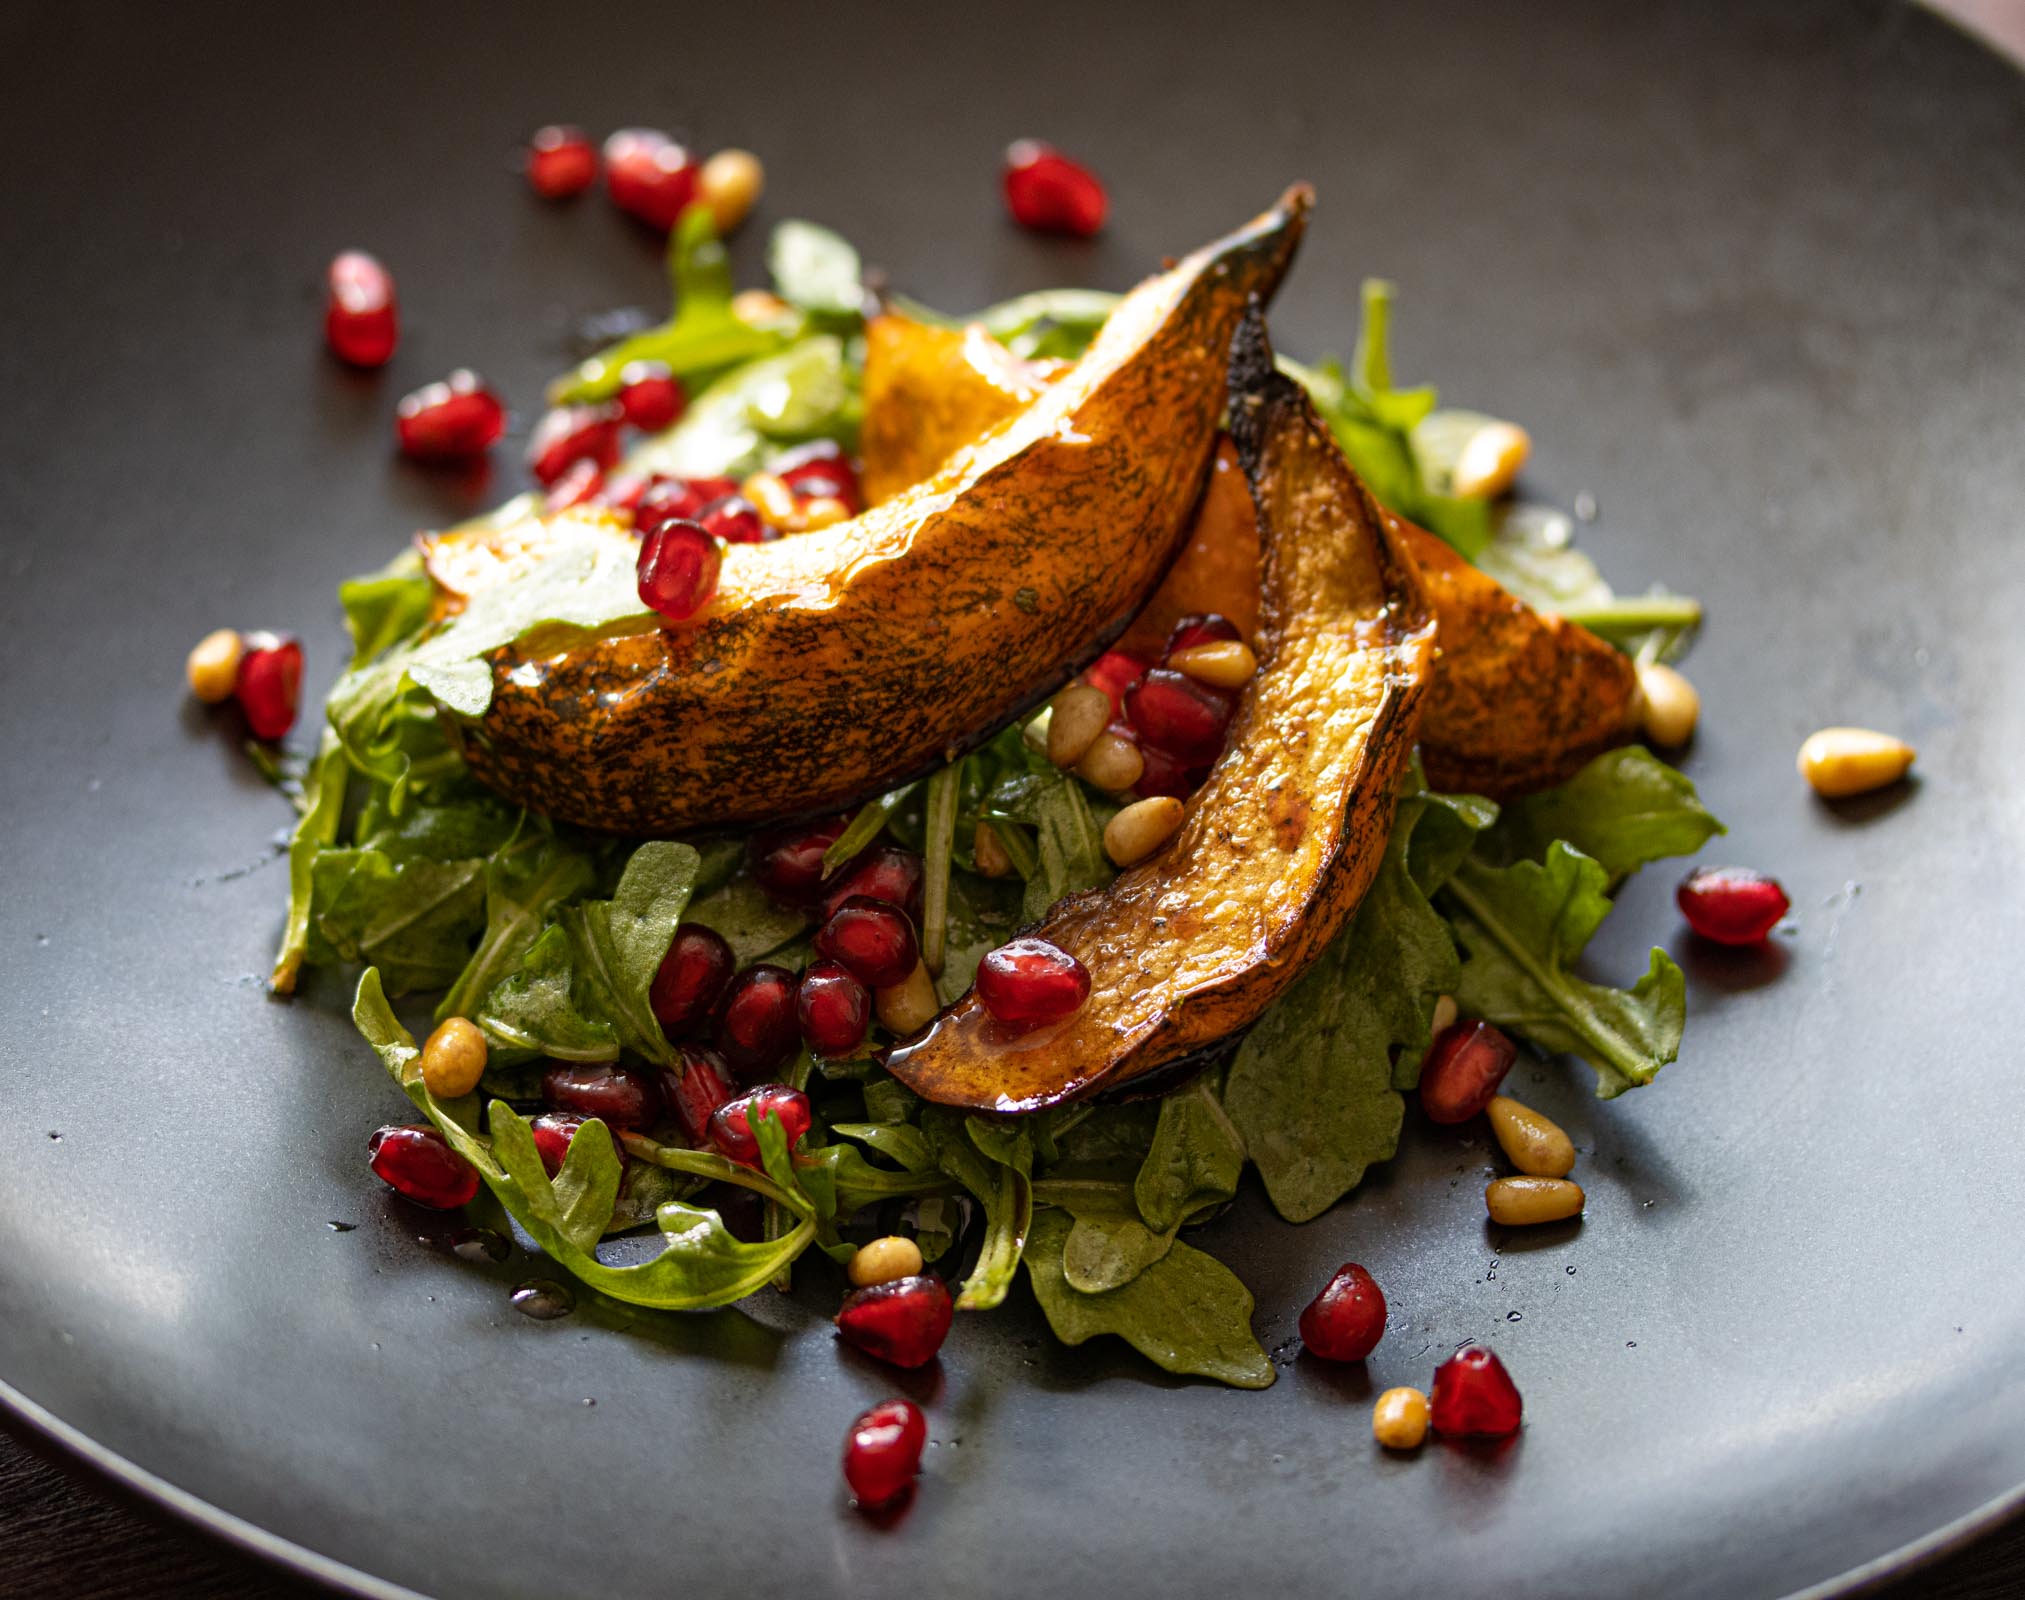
(1282, 840)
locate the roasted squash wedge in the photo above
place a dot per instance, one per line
(1282, 840)
(840, 663)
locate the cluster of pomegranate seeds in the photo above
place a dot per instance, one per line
(757, 1026)
(361, 320)
(696, 1091)
(691, 979)
(1463, 1069)
(649, 176)
(1474, 1397)
(663, 500)
(651, 396)
(1030, 982)
(417, 1163)
(885, 872)
(1049, 193)
(882, 1454)
(821, 471)
(561, 162)
(268, 686)
(874, 938)
(678, 568)
(788, 862)
(620, 1097)
(458, 419)
(570, 434)
(833, 1008)
(731, 1127)
(1731, 905)
(902, 1322)
(1347, 1319)
(553, 1131)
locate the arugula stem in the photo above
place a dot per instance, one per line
(939, 838)
(708, 1164)
(1636, 614)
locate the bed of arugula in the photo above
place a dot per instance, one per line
(549, 938)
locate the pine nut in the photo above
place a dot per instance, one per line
(760, 307)
(1445, 1013)
(883, 1260)
(213, 667)
(1075, 718)
(1141, 828)
(772, 497)
(988, 851)
(822, 511)
(1533, 1143)
(1111, 763)
(909, 1005)
(1522, 1202)
(1846, 761)
(1222, 663)
(1669, 705)
(453, 1058)
(1399, 1419)
(1490, 461)
(729, 184)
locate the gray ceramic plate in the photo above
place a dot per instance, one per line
(1753, 276)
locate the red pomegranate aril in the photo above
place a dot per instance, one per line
(552, 1132)
(623, 492)
(1731, 905)
(1175, 713)
(695, 1092)
(620, 1097)
(269, 684)
(651, 396)
(1114, 672)
(649, 176)
(1463, 1069)
(1164, 774)
(561, 162)
(872, 938)
(731, 1127)
(361, 319)
(1206, 627)
(691, 979)
(756, 1026)
(578, 486)
(788, 862)
(455, 420)
(569, 434)
(736, 520)
(1474, 1397)
(902, 1322)
(417, 1163)
(818, 470)
(833, 1007)
(885, 872)
(1049, 193)
(678, 570)
(1030, 982)
(1347, 1319)
(663, 500)
(882, 1454)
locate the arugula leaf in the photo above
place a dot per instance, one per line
(1533, 554)
(619, 943)
(865, 825)
(1196, 1159)
(1070, 837)
(995, 1164)
(896, 1141)
(385, 607)
(453, 830)
(1186, 1312)
(524, 883)
(747, 918)
(804, 392)
(323, 798)
(816, 270)
(1624, 809)
(534, 1010)
(1523, 927)
(1110, 1243)
(412, 918)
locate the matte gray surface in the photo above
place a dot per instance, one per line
(1752, 276)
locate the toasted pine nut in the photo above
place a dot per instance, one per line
(822, 511)
(1846, 761)
(729, 184)
(1521, 1202)
(988, 851)
(1076, 717)
(883, 1260)
(213, 667)
(1669, 707)
(758, 307)
(773, 499)
(1445, 1013)
(1141, 828)
(909, 1005)
(453, 1058)
(1533, 1143)
(1111, 763)
(1490, 461)
(1222, 663)
(1399, 1419)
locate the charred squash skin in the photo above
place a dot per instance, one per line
(837, 664)
(1281, 842)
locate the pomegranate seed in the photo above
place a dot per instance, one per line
(731, 1123)
(788, 862)
(570, 434)
(1347, 1319)
(1049, 193)
(818, 470)
(553, 1131)
(623, 492)
(736, 520)
(561, 162)
(756, 1029)
(1731, 905)
(691, 979)
(834, 1009)
(578, 486)
(1474, 1397)
(695, 1093)
(1114, 672)
(269, 684)
(882, 1453)
(417, 1163)
(620, 1097)
(361, 320)
(874, 939)
(455, 420)
(663, 500)
(1164, 774)
(903, 1321)
(885, 872)
(1463, 1070)
(649, 176)
(651, 396)
(678, 570)
(1175, 713)
(1030, 981)
(1206, 627)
